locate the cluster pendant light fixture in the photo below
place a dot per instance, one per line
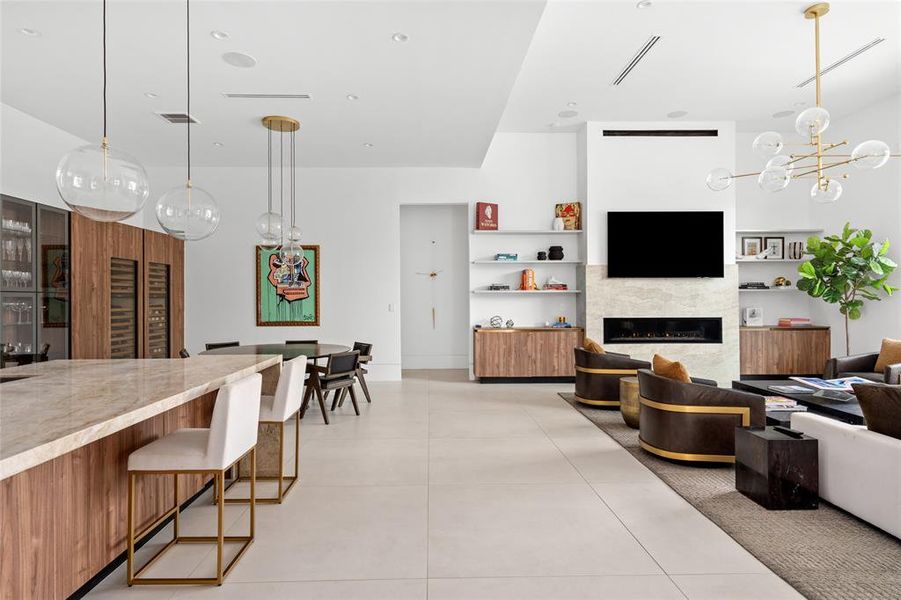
(818, 158)
(187, 212)
(272, 226)
(98, 182)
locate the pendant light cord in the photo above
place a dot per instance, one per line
(104, 72)
(188, 53)
(293, 168)
(269, 170)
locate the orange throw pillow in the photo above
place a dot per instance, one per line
(592, 346)
(889, 354)
(670, 369)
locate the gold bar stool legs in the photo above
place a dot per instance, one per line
(281, 478)
(134, 577)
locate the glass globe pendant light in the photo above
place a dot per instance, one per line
(98, 182)
(188, 212)
(269, 224)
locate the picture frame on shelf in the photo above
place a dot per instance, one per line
(776, 245)
(751, 245)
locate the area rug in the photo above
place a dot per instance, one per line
(823, 553)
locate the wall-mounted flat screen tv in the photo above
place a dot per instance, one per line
(665, 244)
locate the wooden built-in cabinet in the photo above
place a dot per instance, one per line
(784, 350)
(537, 352)
(127, 291)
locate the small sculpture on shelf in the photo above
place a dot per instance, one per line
(527, 281)
(542, 255)
(781, 282)
(496, 321)
(561, 323)
(509, 323)
(555, 253)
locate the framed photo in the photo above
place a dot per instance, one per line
(286, 295)
(777, 245)
(751, 246)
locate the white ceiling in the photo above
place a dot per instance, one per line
(435, 100)
(470, 68)
(722, 60)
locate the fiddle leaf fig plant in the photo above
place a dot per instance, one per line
(847, 269)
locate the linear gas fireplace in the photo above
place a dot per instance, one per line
(663, 330)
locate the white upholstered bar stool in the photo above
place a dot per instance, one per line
(232, 435)
(278, 410)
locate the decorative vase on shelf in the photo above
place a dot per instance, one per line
(555, 253)
(559, 224)
(796, 250)
(542, 255)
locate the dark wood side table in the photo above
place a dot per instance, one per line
(775, 470)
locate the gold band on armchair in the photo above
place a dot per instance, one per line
(728, 458)
(597, 402)
(743, 411)
(607, 371)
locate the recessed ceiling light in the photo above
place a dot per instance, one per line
(29, 32)
(218, 144)
(237, 59)
(353, 97)
(572, 104)
(783, 113)
(399, 37)
(802, 103)
(644, 4)
(567, 114)
(676, 114)
(151, 95)
(367, 145)
(219, 35)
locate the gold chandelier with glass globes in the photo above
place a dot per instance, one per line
(819, 159)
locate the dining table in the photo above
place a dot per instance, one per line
(312, 351)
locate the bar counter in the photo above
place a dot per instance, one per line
(66, 430)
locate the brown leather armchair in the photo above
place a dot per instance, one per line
(862, 365)
(694, 422)
(598, 375)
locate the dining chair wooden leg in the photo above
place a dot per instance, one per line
(353, 399)
(308, 393)
(322, 404)
(363, 385)
(335, 399)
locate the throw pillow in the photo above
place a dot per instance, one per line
(670, 369)
(881, 406)
(889, 354)
(592, 346)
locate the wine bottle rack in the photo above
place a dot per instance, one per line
(158, 311)
(123, 308)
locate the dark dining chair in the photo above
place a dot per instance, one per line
(183, 353)
(337, 376)
(365, 351)
(216, 345)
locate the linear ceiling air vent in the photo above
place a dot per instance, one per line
(178, 118)
(842, 61)
(661, 133)
(638, 56)
(267, 96)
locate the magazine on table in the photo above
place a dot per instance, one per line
(782, 404)
(791, 389)
(842, 384)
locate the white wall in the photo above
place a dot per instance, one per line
(656, 173)
(29, 152)
(353, 214)
(434, 238)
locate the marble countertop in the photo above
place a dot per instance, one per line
(62, 405)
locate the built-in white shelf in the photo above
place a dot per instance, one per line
(766, 231)
(782, 290)
(525, 231)
(526, 262)
(770, 260)
(527, 292)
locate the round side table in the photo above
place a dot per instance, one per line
(628, 401)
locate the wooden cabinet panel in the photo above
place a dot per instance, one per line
(163, 254)
(525, 352)
(783, 351)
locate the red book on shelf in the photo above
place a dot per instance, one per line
(486, 216)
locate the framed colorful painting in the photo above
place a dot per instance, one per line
(287, 296)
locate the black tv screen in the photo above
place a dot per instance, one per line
(665, 244)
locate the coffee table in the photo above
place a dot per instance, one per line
(848, 412)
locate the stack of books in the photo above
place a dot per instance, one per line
(782, 404)
(498, 287)
(506, 257)
(793, 322)
(753, 285)
(555, 286)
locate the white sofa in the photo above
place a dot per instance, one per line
(860, 470)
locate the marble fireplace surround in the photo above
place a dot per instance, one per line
(700, 297)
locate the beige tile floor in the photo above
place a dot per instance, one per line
(446, 489)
